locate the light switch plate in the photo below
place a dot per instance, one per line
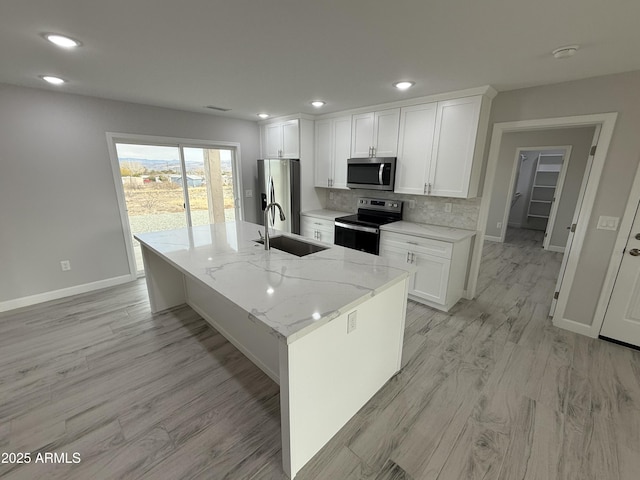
(608, 223)
(447, 207)
(412, 204)
(248, 193)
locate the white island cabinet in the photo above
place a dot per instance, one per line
(328, 327)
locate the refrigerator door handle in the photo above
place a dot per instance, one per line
(272, 198)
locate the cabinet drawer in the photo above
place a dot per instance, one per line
(426, 246)
(318, 223)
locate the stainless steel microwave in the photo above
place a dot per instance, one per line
(375, 173)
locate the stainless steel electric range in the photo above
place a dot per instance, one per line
(362, 230)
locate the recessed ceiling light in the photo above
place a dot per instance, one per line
(404, 85)
(564, 52)
(263, 115)
(317, 103)
(53, 80)
(62, 40)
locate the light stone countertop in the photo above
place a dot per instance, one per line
(290, 295)
(435, 232)
(326, 214)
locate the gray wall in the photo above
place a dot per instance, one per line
(579, 138)
(57, 193)
(611, 93)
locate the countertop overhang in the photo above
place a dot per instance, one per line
(290, 295)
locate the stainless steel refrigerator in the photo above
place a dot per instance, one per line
(279, 181)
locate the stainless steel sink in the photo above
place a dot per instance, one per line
(293, 245)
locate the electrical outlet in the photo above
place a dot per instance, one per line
(352, 321)
(330, 195)
(248, 193)
(412, 204)
(65, 265)
(447, 207)
(499, 225)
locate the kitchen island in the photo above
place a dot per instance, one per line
(327, 327)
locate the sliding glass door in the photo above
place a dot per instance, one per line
(174, 186)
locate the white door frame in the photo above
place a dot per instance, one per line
(607, 121)
(514, 178)
(113, 138)
(618, 252)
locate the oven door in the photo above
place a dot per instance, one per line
(358, 237)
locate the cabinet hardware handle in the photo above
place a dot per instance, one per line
(429, 192)
(408, 257)
(425, 189)
(413, 258)
(412, 243)
(634, 252)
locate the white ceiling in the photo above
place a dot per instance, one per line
(278, 55)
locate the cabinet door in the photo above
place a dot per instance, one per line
(385, 132)
(396, 253)
(272, 140)
(290, 139)
(325, 235)
(431, 279)
(306, 228)
(415, 148)
(362, 135)
(454, 144)
(323, 153)
(341, 150)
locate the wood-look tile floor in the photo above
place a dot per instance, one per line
(490, 390)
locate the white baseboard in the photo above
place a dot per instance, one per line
(63, 292)
(575, 327)
(492, 238)
(553, 248)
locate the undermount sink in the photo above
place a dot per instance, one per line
(293, 245)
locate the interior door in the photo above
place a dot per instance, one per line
(576, 215)
(622, 319)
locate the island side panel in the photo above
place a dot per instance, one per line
(252, 339)
(329, 374)
(165, 283)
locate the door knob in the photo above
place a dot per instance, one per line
(637, 236)
(634, 252)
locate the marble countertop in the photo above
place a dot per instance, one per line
(435, 232)
(290, 295)
(326, 214)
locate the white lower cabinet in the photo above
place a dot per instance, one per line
(442, 266)
(317, 228)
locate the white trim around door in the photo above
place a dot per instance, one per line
(607, 122)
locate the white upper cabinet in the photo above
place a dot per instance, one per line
(281, 140)
(440, 148)
(333, 145)
(415, 148)
(375, 134)
(454, 148)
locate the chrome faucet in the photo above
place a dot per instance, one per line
(266, 222)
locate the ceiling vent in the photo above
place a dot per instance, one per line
(219, 109)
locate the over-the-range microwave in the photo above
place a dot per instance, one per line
(375, 173)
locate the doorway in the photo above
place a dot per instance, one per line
(495, 189)
(166, 184)
(540, 173)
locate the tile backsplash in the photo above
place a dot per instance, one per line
(427, 209)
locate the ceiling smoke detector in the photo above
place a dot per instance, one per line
(564, 52)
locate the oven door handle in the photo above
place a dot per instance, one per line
(380, 171)
(359, 228)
